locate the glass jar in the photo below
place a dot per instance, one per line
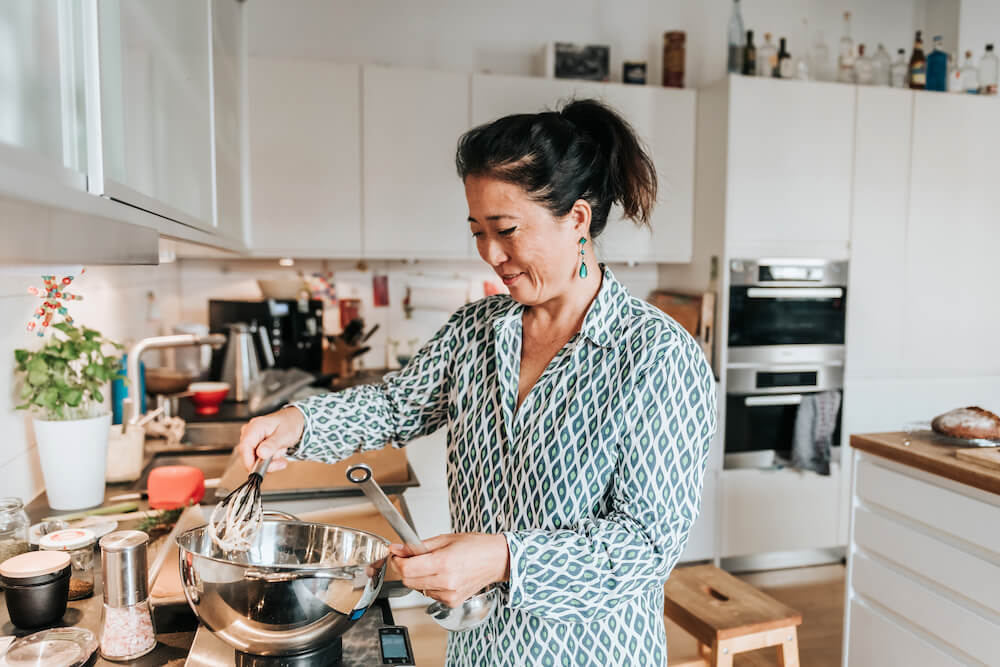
(14, 525)
(673, 58)
(79, 544)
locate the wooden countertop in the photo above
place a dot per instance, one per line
(924, 453)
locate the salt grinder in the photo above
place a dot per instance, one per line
(127, 627)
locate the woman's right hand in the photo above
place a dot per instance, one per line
(271, 435)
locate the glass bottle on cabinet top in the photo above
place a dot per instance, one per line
(937, 67)
(863, 68)
(845, 57)
(737, 40)
(819, 59)
(881, 64)
(786, 68)
(968, 75)
(917, 76)
(750, 56)
(989, 68)
(954, 74)
(899, 70)
(767, 57)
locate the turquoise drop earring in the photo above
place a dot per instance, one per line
(583, 264)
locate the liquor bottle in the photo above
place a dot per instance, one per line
(918, 65)
(767, 57)
(750, 56)
(989, 67)
(786, 68)
(819, 59)
(800, 63)
(900, 68)
(864, 68)
(954, 74)
(881, 64)
(968, 76)
(937, 67)
(737, 45)
(845, 60)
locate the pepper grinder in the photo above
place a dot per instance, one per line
(126, 622)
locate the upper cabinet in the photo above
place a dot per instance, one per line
(153, 147)
(953, 238)
(663, 118)
(305, 158)
(414, 202)
(790, 158)
(229, 84)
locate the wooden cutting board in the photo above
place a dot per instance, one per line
(388, 464)
(984, 456)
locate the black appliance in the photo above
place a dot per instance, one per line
(294, 330)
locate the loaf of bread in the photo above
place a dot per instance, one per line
(968, 423)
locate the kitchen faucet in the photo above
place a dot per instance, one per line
(134, 410)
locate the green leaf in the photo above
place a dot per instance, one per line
(50, 397)
(71, 350)
(37, 378)
(90, 334)
(72, 397)
(65, 327)
(98, 396)
(20, 356)
(26, 391)
(37, 364)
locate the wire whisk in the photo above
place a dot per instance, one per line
(237, 518)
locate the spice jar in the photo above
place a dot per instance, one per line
(79, 544)
(126, 622)
(673, 59)
(35, 587)
(13, 528)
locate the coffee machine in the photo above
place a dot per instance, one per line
(294, 330)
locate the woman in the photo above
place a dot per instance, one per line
(579, 418)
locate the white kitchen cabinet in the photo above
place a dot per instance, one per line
(156, 127)
(663, 118)
(228, 81)
(790, 157)
(877, 267)
(414, 202)
(305, 158)
(767, 510)
(953, 238)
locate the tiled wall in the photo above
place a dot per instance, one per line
(124, 303)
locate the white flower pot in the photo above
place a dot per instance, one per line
(74, 457)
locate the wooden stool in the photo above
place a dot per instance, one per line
(728, 616)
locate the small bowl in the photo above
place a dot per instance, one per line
(207, 396)
(36, 587)
(473, 612)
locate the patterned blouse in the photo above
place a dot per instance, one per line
(595, 480)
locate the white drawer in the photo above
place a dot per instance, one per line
(938, 616)
(778, 510)
(942, 509)
(875, 640)
(945, 564)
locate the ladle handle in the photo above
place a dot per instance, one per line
(361, 475)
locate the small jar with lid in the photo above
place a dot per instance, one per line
(126, 622)
(14, 525)
(79, 544)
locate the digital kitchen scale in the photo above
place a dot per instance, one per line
(373, 640)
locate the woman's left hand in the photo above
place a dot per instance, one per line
(457, 566)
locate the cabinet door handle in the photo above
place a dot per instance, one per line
(795, 292)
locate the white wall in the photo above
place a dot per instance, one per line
(979, 25)
(507, 37)
(115, 302)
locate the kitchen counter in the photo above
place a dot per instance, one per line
(924, 453)
(923, 570)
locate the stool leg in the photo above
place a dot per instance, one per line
(722, 654)
(788, 650)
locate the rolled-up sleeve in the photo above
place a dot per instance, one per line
(408, 405)
(584, 572)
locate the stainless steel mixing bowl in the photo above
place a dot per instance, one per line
(299, 586)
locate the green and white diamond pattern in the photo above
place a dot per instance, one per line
(595, 480)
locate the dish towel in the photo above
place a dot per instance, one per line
(815, 423)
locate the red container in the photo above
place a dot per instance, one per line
(170, 487)
(207, 396)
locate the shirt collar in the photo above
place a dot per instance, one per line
(603, 320)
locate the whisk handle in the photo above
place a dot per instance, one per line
(261, 467)
(361, 475)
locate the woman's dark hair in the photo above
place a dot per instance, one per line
(585, 151)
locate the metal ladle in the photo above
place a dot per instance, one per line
(474, 611)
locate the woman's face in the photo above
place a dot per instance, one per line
(535, 254)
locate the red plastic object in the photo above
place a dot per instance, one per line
(170, 487)
(207, 396)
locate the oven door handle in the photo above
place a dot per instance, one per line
(782, 399)
(795, 292)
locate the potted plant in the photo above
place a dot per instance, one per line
(62, 385)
